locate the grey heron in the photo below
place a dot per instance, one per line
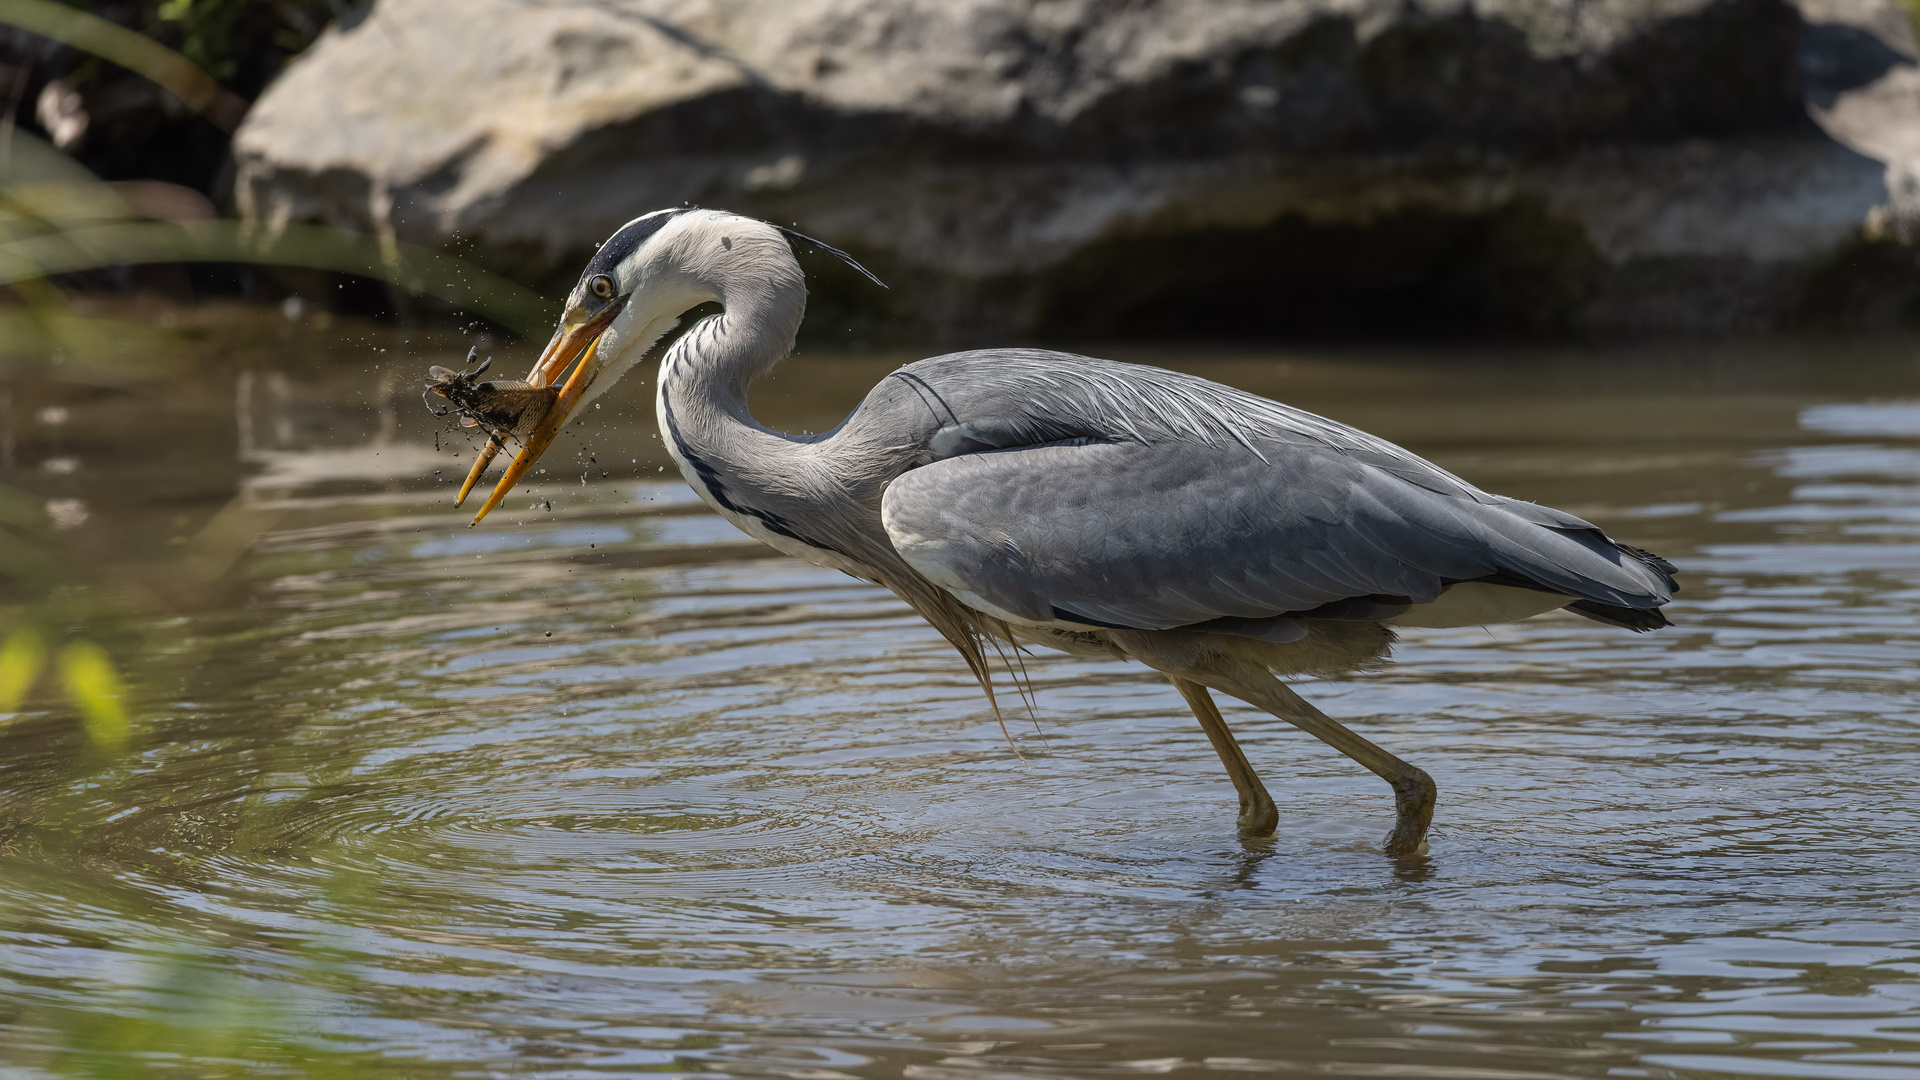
(1104, 509)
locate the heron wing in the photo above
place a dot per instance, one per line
(1156, 535)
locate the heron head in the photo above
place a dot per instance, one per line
(632, 292)
(648, 274)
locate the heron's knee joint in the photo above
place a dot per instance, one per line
(1415, 785)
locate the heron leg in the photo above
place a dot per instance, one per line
(1258, 817)
(1413, 790)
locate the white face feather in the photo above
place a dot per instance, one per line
(668, 274)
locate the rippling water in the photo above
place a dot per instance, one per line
(604, 788)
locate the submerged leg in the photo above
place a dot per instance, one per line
(1257, 814)
(1413, 790)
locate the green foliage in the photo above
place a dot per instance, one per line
(241, 43)
(56, 217)
(414, 269)
(214, 1024)
(22, 659)
(133, 51)
(33, 577)
(93, 685)
(220, 35)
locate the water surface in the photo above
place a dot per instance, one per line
(603, 788)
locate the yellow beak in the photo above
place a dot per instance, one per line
(580, 341)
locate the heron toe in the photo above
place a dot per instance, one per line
(1414, 794)
(1259, 818)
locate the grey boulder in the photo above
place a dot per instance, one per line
(1098, 167)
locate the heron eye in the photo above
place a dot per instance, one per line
(601, 286)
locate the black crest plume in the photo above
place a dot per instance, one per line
(795, 234)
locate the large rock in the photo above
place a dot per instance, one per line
(1092, 167)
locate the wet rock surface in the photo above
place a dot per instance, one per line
(1089, 168)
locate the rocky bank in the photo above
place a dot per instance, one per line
(1088, 168)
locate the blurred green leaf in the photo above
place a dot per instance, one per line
(93, 684)
(30, 336)
(28, 159)
(56, 218)
(31, 206)
(316, 247)
(22, 659)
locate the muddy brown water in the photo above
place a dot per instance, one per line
(602, 788)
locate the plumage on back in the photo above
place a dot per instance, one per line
(1069, 491)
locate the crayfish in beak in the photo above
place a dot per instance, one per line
(504, 409)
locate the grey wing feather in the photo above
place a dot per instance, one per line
(1055, 396)
(1168, 534)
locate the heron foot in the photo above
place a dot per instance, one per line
(1258, 817)
(1414, 794)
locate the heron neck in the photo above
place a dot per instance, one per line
(705, 376)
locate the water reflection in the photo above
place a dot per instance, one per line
(604, 788)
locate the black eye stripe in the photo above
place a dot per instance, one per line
(627, 240)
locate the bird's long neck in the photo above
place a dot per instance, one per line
(711, 367)
(783, 490)
(728, 456)
(796, 493)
